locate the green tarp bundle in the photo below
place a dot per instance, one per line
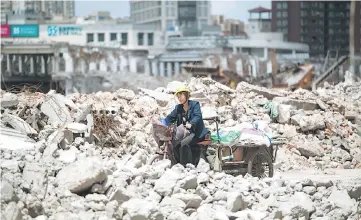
(273, 109)
(225, 137)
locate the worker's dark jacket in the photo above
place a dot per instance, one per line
(194, 117)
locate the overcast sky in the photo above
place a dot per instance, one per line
(231, 9)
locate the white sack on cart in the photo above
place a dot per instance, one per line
(258, 133)
(254, 137)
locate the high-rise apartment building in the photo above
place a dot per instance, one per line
(64, 8)
(6, 7)
(189, 16)
(323, 25)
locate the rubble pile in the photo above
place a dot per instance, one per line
(83, 156)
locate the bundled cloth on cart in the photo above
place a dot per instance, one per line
(256, 134)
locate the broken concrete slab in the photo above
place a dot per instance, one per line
(321, 104)
(9, 100)
(307, 105)
(82, 174)
(84, 111)
(209, 112)
(284, 113)
(76, 127)
(125, 94)
(12, 139)
(312, 122)
(161, 98)
(12, 212)
(18, 124)
(56, 110)
(269, 94)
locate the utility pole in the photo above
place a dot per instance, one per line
(352, 36)
(274, 66)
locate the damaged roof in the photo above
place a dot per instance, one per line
(204, 42)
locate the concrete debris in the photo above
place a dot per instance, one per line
(81, 175)
(84, 156)
(18, 124)
(9, 100)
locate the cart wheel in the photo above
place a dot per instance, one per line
(260, 165)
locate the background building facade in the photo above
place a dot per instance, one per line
(189, 16)
(257, 22)
(6, 7)
(322, 25)
(229, 27)
(45, 8)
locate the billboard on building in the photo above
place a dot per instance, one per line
(5, 30)
(24, 30)
(55, 30)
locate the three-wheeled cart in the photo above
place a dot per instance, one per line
(239, 159)
(243, 157)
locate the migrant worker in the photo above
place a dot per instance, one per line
(187, 113)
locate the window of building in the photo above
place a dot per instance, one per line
(284, 14)
(124, 39)
(285, 22)
(169, 24)
(204, 22)
(279, 5)
(89, 38)
(150, 39)
(140, 39)
(204, 11)
(279, 14)
(113, 37)
(101, 37)
(284, 5)
(199, 11)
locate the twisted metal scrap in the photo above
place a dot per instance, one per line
(105, 128)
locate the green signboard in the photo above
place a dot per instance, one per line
(24, 30)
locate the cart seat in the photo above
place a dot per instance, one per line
(207, 140)
(203, 143)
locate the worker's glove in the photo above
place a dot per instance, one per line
(188, 126)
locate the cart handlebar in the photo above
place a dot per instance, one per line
(215, 119)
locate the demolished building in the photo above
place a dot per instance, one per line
(71, 68)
